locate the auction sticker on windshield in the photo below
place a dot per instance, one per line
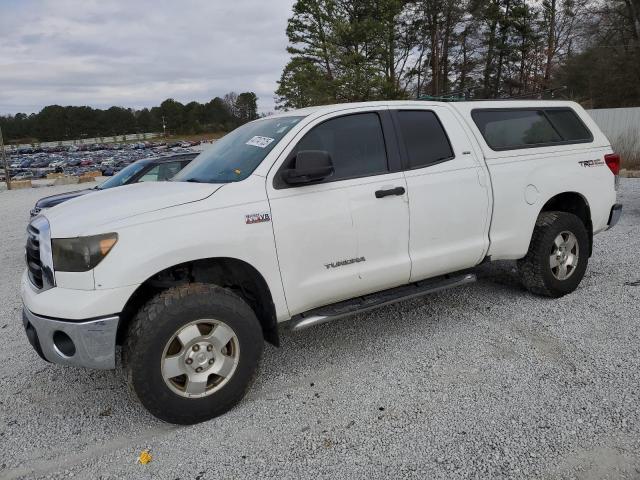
(259, 141)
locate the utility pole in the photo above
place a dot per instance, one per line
(7, 177)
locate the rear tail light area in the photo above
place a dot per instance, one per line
(613, 162)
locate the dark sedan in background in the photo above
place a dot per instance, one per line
(147, 170)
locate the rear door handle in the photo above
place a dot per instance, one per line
(391, 191)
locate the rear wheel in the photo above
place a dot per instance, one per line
(192, 352)
(558, 255)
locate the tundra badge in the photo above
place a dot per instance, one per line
(341, 263)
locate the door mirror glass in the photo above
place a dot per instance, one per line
(310, 166)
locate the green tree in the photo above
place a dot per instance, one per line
(247, 107)
(311, 31)
(51, 123)
(606, 71)
(344, 50)
(302, 84)
(55, 122)
(172, 112)
(117, 121)
(217, 115)
(146, 122)
(192, 118)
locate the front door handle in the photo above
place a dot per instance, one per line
(391, 191)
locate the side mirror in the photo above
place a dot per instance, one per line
(311, 166)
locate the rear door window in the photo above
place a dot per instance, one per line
(507, 129)
(424, 137)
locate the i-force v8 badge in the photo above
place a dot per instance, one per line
(257, 218)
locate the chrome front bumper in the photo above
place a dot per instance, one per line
(90, 343)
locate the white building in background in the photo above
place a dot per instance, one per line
(622, 127)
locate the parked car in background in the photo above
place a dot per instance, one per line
(57, 163)
(23, 176)
(110, 162)
(146, 170)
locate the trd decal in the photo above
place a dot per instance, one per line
(592, 163)
(257, 218)
(341, 263)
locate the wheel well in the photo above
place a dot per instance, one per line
(229, 273)
(572, 202)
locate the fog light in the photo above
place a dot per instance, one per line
(63, 343)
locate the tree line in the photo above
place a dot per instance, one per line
(355, 50)
(55, 122)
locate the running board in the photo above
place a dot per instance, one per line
(375, 300)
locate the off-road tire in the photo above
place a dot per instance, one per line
(159, 319)
(535, 271)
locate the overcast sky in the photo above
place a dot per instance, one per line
(136, 53)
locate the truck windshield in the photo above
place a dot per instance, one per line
(123, 176)
(236, 155)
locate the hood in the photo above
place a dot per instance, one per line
(53, 200)
(91, 214)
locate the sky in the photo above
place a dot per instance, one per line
(137, 53)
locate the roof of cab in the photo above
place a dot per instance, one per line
(460, 106)
(464, 109)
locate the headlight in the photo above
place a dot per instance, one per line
(82, 253)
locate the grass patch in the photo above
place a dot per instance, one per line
(627, 146)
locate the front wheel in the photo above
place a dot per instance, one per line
(558, 255)
(191, 352)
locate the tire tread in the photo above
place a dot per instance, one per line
(530, 266)
(137, 340)
(533, 268)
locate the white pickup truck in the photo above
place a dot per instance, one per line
(305, 217)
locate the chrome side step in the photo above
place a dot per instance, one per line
(375, 300)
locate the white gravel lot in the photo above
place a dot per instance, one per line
(486, 381)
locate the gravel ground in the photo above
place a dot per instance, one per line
(486, 381)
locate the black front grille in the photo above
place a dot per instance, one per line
(34, 264)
